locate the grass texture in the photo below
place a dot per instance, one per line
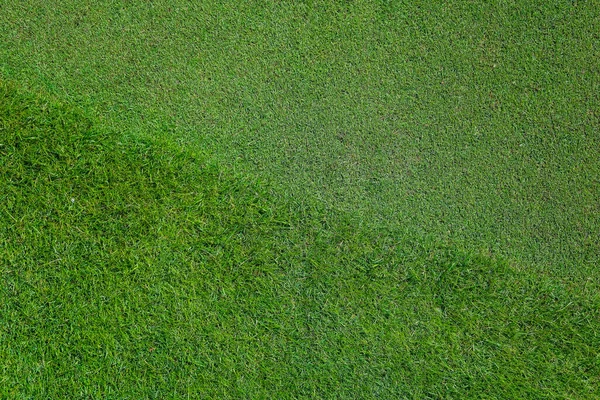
(476, 122)
(299, 199)
(131, 269)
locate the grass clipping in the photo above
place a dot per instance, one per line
(130, 269)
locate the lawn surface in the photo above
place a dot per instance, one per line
(476, 122)
(294, 199)
(133, 269)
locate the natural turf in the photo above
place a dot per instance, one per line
(476, 122)
(446, 133)
(133, 269)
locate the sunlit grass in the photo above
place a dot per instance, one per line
(133, 269)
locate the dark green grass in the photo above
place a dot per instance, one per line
(476, 122)
(130, 268)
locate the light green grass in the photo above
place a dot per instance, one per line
(475, 122)
(133, 269)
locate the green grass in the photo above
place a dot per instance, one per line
(476, 122)
(131, 268)
(291, 199)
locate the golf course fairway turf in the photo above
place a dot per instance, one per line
(132, 269)
(475, 122)
(358, 199)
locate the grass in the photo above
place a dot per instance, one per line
(371, 199)
(134, 269)
(473, 122)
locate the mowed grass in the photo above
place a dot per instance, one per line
(131, 269)
(475, 122)
(429, 228)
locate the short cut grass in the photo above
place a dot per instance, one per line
(130, 268)
(473, 121)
